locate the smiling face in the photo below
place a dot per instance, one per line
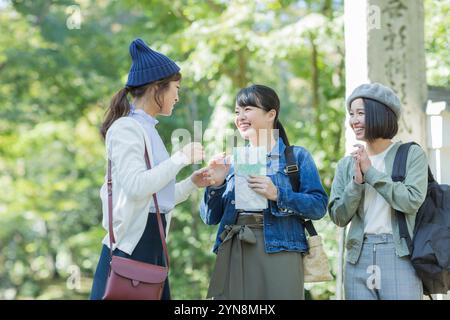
(358, 118)
(170, 97)
(250, 120)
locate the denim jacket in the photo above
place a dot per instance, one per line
(283, 230)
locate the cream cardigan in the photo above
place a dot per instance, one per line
(133, 185)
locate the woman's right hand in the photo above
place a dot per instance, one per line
(194, 152)
(358, 176)
(219, 166)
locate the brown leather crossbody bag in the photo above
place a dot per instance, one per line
(129, 279)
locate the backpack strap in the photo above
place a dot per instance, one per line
(399, 174)
(292, 170)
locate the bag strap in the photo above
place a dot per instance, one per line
(110, 213)
(292, 171)
(400, 171)
(399, 174)
(110, 205)
(158, 214)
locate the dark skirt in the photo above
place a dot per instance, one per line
(243, 269)
(149, 249)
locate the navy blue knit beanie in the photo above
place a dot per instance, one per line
(148, 65)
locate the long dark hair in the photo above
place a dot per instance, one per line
(265, 98)
(120, 106)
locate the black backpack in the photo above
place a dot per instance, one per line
(430, 246)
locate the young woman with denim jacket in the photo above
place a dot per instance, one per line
(129, 129)
(259, 254)
(363, 193)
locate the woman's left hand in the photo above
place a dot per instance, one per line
(202, 178)
(363, 157)
(264, 186)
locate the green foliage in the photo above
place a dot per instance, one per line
(56, 82)
(437, 35)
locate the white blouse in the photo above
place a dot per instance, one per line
(377, 212)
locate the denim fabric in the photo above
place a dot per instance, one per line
(283, 230)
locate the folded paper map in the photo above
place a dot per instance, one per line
(249, 161)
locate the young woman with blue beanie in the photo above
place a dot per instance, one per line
(129, 129)
(363, 194)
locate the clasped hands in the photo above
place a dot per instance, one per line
(362, 162)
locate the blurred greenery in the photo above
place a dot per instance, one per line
(55, 85)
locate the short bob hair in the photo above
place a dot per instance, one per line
(380, 121)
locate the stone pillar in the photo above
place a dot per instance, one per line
(385, 43)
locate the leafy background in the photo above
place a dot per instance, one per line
(55, 85)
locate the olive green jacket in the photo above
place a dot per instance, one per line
(347, 197)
